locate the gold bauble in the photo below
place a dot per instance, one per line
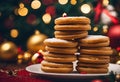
(8, 51)
(35, 43)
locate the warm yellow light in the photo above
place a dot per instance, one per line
(105, 29)
(95, 29)
(105, 2)
(37, 32)
(20, 56)
(23, 11)
(73, 2)
(63, 2)
(6, 46)
(21, 5)
(35, 4)
(64, 14)
(14, 33)
(119, 54)
(118, 62)
(85, 8)
(26, 56)
(46, 18)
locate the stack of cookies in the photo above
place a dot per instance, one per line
(94, 54)
(71, 28)
(59, 55)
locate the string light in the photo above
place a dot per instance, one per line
(64, 15)
(46, 18)
(35, 4)
(21, 5)
(105, 2)
(73, 2)
(63, 2)
(22, 11)
(85, 8)
(14, 33)
(95, 29)
(16, 11)
(105, 29)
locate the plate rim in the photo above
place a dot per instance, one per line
(62, 74)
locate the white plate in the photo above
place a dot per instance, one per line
(35, 69)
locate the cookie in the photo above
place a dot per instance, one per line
(102, 44)
(72, 36)
(94, 39)
(72, 27)
(54, 42)
(61, 58)
(56, 67)
(94, 59)
(97, 51)
(61, 50)
(92, 65)
(72, 20)
(90, 70)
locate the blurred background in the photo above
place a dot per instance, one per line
(25, 24)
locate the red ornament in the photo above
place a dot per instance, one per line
(31, 19)
(51, 10)
(114, 34)
(47, 2)
(97, 80)
(118, 48)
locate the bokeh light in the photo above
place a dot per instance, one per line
(14, 33)
(105, 29)
(23, 11)
(85, 8)
(73, 2)
(95, 29)
(46, 18)
(63, 2)
(35, 4)
(21, 5)
(105, 2)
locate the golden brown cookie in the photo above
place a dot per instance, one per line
(93, 65)
(61, 58)
(72, 36)
(94, 39)
(54, 42)
(97, 51)
(72, 27)
(52, 67)
(61, 50)
(94, 59)
(101, 44)
(72, 20)
(90, 70)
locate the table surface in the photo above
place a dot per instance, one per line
(12, 72)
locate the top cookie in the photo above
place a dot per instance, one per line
(72, 20)
(94, 39)
(54, 42)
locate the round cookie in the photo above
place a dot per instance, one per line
(72, 20)
(61, 50)
(53, 64)
(72, 36)
(102, 44)
(93, 65)
(56, 67)
(72, 27)
(93, 59)
(91, 70)
(97, 51)
(54, 42)
(61, 58)
(94, 39)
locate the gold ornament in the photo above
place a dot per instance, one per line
(8, 51)
(35, 4)
(35, 42)
(23, 11)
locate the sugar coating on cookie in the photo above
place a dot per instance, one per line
(72, 20)
(94, 39)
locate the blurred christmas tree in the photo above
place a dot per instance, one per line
(20, 19)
